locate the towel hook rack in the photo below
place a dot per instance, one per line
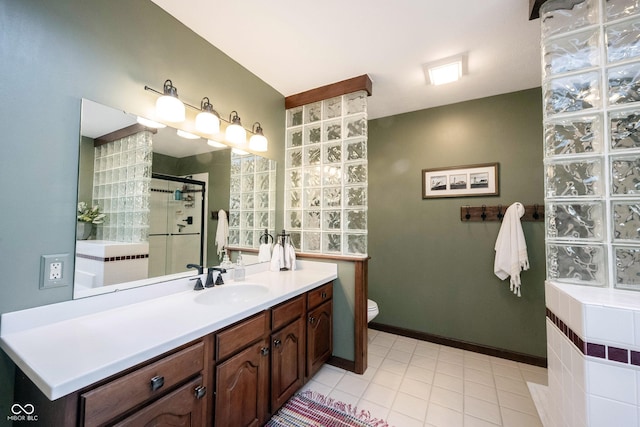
(489, 213)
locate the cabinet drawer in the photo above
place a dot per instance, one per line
(319, 295)
(287, 312)
(241, 335)
(118, 396)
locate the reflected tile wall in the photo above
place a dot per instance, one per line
(121, 187)
(252, 193)
(326, 175)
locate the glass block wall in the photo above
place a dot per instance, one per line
(591, 98)
(121, 177)
(326, 175)
(252, 199)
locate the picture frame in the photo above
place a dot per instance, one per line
(461, 181)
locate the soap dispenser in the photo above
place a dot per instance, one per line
(239, 269)
(226, 264)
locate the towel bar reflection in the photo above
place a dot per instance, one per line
(484, 213)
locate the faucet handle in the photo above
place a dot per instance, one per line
(219, 279)
(198, 286)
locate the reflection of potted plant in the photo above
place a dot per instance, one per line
(87, 216)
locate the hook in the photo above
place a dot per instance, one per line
(500, 214)
(468, 215)
(484, 212)
(536, 215)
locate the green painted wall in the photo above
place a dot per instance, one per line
(429, 271)
(53, 54)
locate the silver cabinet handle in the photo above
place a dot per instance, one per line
(264, 351)
(200, 391)
(277, 343)
(157, 382)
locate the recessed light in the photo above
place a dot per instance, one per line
(446, 70)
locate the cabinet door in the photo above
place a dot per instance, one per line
(182, 407)
(319, 337)
(287, 363)
(242, 388)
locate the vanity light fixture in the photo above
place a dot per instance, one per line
(168, 106)
(187, 135)
(446, 70)
(235, 133)
(216, 144)
(258, 142)
(150, 123)
(208, 119)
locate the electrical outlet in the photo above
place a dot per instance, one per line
(54, 271)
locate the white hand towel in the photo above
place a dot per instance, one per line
(264, 253)
(291, 257)
(277, 258)
(511, 248)
(222, 232)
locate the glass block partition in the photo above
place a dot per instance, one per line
(591, 98)
(252, 199)
(326, 175)
(121, 177)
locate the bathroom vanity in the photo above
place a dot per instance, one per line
(226, 356)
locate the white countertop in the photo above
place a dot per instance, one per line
(67, 346)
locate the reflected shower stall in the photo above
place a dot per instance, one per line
(177, 229)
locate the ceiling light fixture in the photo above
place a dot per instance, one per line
(208, 119)
(235, 133)
(258, 142)
(150, 123)
(446, 70)
(187, 135)
(168, 106)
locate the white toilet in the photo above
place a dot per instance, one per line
(372, 310)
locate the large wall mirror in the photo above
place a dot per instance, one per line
(159, 195)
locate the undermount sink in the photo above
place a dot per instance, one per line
(231, 294)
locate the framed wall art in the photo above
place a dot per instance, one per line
(461, 181)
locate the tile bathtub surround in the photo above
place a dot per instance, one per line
(417, 383)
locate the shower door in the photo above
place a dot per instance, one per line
(176, 224)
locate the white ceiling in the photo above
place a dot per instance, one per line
(298, 45)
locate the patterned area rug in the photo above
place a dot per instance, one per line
(310, 409)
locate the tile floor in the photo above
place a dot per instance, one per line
(411, 383)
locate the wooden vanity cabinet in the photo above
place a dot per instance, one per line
(130, 394)
(242, 373)
(288, 349)
(319, 328)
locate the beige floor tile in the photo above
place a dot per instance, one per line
(447, 398)
(511, 418)
(399, 355)
(387, 379)
(481, 391)
(453, 369)
(441, 416)
(411, 406)
(482, 409)
(517, 402)
(518, 386)
(401, 420)
(416, 388)
(449, 382)
(379, 395)
(352, 385)
(420, 374)
(480, 377)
